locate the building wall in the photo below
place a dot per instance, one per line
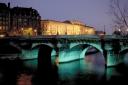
(17, 20)
(50, 27)
(23, 19)
(4, 18)
(14, 21)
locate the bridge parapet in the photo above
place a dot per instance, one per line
(64, 44)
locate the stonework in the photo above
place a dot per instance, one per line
(51, 27)
(17, 20)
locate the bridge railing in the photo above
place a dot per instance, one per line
(77, 37)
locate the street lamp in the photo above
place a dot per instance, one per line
(119, 30)
(127, 32)
(35, 32)
(0, 28)
(127, 29)
(22, 29)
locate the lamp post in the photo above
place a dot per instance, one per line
(119, 30)
(22, 30)
(35, 32)
(127, 32)
(127, 29)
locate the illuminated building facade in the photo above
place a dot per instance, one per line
(51, 27)
(4, 18)
(18, 21)
(25, 21)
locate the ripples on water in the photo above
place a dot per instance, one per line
(89, 70)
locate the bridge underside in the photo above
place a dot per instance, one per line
(66, 54)
(76, 53)
(69, 52)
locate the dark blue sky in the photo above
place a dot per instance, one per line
(92, 12)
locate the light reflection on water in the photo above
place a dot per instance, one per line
(111, 72)
(24, 79)
(90, 65)
(73, 69)
(31, 64)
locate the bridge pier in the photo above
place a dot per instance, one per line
(112, 58)
(111, 52)
(67, 48)
(46, 71)
(56, 61)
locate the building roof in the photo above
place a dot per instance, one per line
(3, 6)
(68, 22)
(74, 22)
(23, 10)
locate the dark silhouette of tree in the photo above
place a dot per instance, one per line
(119, 10)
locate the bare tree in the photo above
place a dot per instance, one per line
(119, 10)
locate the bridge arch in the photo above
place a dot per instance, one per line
(81, 50)
(123, 55)
(84, 48)
(35, 45)
(51, 51)
(124, 50)
(76, 52)
(84, 52)
(97, 46)
(98, 58)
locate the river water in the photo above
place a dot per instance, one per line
(90, 70)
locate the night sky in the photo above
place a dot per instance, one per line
(94, 13)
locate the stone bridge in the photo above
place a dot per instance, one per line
(66, 48)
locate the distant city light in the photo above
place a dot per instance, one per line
(119, 29)
(0, 28)
(22, 29)
(127, 30)
(2, 35)
(35, 30)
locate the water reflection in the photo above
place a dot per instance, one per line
(32, 64)
(69, 70)
(24, 79)
(92, 67)
(88, 70)
(9, 71)
(111, 71)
